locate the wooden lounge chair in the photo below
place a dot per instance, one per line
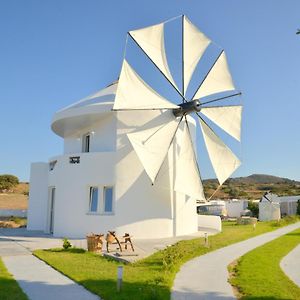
(111, 238)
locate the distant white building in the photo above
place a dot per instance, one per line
(98, 183)
(235, 207)
(272, 206)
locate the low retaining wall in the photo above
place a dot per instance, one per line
(210, 222)
(22, 213)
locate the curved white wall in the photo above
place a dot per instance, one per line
(102, 136)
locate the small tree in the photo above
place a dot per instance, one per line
(254, 208)
(298, 207)
(8, 181)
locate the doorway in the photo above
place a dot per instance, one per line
(51, 208)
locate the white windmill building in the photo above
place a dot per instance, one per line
(129, 161)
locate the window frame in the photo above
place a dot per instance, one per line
(89, 211)
(86, 146)
(112, 212)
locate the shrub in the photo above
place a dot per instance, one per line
(8, 181)
(66, 244)
(254, 208)
(298, 207)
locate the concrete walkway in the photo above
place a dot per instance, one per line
(40, 281)
(37, 279)
(290, 265)
(205, 277)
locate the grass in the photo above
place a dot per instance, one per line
(257, 274)
(152, 277)
(9, 288)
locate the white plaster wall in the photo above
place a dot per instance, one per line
(234, 208)
(210, 222)
(72, 182)
(185, 207)
(148, 211)
(38, 196)
(269, 211)
(102, 138)
(142, 209)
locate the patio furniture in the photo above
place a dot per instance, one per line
(111, 238)
(94, 242)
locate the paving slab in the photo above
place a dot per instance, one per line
(290, 265)
(206, 277)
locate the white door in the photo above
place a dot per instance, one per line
(51, 209)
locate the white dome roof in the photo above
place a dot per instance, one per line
(85, 112)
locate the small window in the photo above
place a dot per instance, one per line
(86, 142)
(108, 199)
(52, 165)
(93, 201)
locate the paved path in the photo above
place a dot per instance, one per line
(40, 281)
(290, 265)
(37, 279)
(205, 277)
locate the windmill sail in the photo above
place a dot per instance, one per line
(188, 180)
(194, 46)
(134, 93)
(151, 40)
(218, 79)
(152, 143)
(223, 160)
(228, 118)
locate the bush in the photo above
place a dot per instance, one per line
(298, 207)
(66, 244)
(7, 182)
(254, 208)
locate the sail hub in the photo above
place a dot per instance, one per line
(187, 108)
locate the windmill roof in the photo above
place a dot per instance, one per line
(84, 112)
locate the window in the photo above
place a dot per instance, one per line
(52, 165)
(93, 199)
(86, 138)
(108, 199)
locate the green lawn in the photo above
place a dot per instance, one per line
(150, 278)
(9, 288)
(258, 275)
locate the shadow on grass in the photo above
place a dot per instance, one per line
(70, 250)
(293, 234)
(10, 290)
(107, 289)
(263, 298)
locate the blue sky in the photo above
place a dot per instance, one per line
(54, 53)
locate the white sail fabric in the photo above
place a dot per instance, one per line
(218, 79)
(134, 93)
(223, 160)
(151, 40)
(194, 45)
(152, 144)
(188, 180)
(229, 118)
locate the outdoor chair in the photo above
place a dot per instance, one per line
(111, 238)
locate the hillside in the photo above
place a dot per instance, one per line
(252, 187)
(15, 199)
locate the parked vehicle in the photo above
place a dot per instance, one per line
(213, 208)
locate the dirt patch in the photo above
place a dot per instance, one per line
(13, 201)
(21, 188)
(232, 274)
